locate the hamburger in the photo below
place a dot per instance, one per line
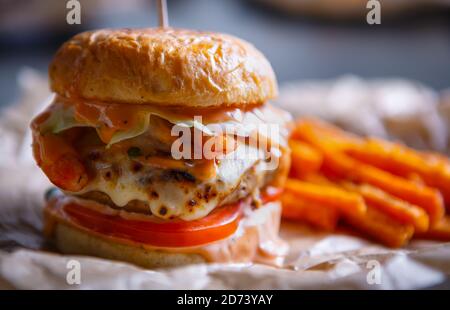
(155, 140)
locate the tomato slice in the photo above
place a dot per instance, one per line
(219, 224)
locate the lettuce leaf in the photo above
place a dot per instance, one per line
(62, 118)
(139, 129)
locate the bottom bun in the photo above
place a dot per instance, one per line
(256, 239)
(70, 240)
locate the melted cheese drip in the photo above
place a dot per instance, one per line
(175, 197)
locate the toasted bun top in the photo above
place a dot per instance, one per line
(162, 66)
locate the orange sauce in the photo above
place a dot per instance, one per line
(112, 117)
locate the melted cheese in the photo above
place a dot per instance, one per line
(176, 197)
(166, 198)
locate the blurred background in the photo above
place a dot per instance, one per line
(303, 39)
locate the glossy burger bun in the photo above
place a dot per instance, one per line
(162, 66)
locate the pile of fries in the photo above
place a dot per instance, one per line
(384, 190)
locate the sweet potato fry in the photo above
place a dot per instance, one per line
(381, 227)
(343, 201)
(423, 196)
(433, 169)
(441, 231)
(326, 128)
(325, 132)
(298, 209)
(402, 190)
(343, 166)
(319, 179)
(305, 158)
(400, 210)
(414, 177)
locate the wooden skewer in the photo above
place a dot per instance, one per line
(163, 17)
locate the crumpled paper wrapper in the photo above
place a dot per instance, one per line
(316, 260)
